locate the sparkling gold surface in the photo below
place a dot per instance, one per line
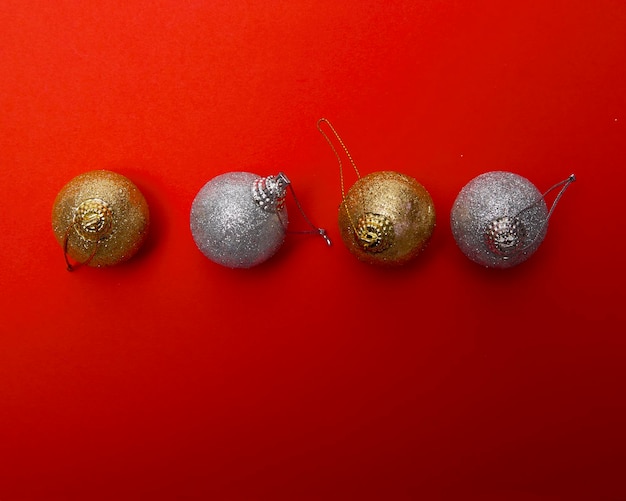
(402, 201)
(103, 209)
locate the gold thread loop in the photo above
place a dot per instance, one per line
(332, 146)
(341, 176)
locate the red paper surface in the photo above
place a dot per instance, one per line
(313, 376)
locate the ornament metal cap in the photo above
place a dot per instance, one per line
(100, 218)
(269, 192)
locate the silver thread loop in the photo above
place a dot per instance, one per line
(282, 182)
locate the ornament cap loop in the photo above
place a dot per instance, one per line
(323, 234)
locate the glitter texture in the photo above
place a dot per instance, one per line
(230, 227)
(499, 219)
(386, 218)
(100, 209)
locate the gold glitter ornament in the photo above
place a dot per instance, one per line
(386, 217)
(100, 218)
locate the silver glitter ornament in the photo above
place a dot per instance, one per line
(239, 219)
(499, 219)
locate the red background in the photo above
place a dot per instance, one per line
(313, 376)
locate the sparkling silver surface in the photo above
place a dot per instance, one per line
(491, 197)
(228, 225)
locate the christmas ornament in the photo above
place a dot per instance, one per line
(385, 217)
(239, 219)
(100, 218)
(499, 219)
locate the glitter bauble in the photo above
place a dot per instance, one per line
(386, 218)
(238, 219)
(499, 219)
(100, 218)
